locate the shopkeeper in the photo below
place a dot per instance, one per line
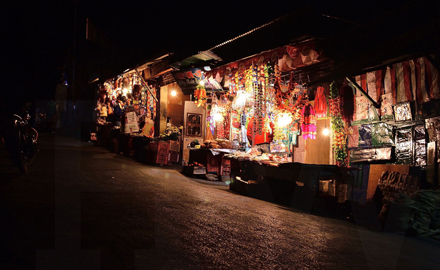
(263, 140)
(118, 111)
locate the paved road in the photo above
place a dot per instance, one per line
(82, 207)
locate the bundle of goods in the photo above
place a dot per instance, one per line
(210, 144)
(224, 144)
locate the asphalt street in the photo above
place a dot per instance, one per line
(83, 207)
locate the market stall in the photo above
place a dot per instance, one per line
(268, 113)
(266, 126)
(128, 118)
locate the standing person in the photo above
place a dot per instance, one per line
(110, 114)
(118, 111)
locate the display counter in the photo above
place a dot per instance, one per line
(292, 184)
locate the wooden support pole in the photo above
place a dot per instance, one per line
(433, 62)
(375, 104)
(145, 84)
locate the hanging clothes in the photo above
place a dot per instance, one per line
(320, 103)
(308, 122)
(347, 104)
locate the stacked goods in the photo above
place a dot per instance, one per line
(217, 144)
(211, 144)
(224, 144)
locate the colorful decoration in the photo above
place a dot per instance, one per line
(283, 118)
(320, 103)
(308, 122)
(200, 96)
(338, 126)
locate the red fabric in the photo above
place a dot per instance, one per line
(407, 80)
(379, 84)
(265, 137)
(429, 78)
(419, 82)
(308, 122)
(393, 84)
(364, 82)
(320, 103)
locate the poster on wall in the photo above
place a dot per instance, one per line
(386, 105)
(361, 108)
(194, 125)
(236, 126)
(131, 123)
(402, 112)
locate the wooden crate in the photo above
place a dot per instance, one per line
(163, 149)
(158, 152)
(226, 167)
(174, 146)
(174, 157)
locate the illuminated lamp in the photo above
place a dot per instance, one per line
(284, 119)
(325, 131)
(173, 93)
(218, 117)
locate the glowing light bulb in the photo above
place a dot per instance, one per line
(284, 120)
(325, 131)
(202, 82)
(218, 117)
(174, 93)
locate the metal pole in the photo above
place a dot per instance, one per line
(145, 84)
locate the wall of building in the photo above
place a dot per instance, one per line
(175, 104)
(318, 150)
(191, 107)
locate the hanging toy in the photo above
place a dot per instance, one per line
(308, 122)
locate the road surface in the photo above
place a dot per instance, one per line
(83, 207)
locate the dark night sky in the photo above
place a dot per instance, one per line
(36, 35)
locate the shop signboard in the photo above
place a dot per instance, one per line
(189, 79)
(194, 125)
(131, 122)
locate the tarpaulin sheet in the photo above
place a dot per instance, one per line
(420, 146)
(373, 154)
(382, 134)
(404, 146)
(365, 135)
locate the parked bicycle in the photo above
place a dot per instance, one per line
(20, 140)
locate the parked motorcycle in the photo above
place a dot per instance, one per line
(20, 140)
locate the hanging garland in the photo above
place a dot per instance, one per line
(338, 126)
(308, 122)
(283, 97)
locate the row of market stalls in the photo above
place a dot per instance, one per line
(288, 117)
